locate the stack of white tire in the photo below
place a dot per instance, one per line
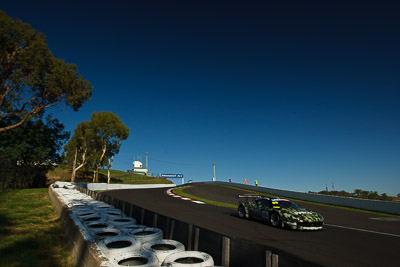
(120, 238)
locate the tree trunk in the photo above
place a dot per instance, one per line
(96, 173)
(110, 163)
(21, 182)
(15, 175)
(101, 159)
(74, 167)
(5, 172)
(83, 163)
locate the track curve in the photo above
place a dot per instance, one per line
(350, 239)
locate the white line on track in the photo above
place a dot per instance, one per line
(361, 230)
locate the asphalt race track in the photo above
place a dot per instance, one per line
(350, 238)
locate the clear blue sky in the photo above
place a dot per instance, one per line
(296, 95)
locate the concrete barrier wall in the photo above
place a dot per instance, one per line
(104, 186)
(226, 251)
(364, 204)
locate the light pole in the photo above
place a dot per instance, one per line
(214, 178)
(147, 161)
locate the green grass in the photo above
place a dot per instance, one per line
(117, 177)
(179, 191)
(30, 232)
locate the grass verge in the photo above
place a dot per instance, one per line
(31, 233)
(117, 177)
(179, 191)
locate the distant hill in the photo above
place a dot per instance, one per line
(358, 193)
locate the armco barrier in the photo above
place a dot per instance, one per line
(104, 186)
(226, 251)
(364, 204)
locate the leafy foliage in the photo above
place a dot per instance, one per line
(110, 130)
(29, 151)
(95, 142)
(81, 149)
(31, 78)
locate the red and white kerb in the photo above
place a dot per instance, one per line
(183, 198)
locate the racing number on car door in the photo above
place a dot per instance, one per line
(276, 204)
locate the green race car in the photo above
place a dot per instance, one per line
(280, 213)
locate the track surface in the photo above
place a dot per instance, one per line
(350, 238)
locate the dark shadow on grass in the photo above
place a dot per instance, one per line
(4, 225)
(38, 250)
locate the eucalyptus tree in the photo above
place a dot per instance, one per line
(31, 78)
(95, 142)
(81, 147)
(110, 131)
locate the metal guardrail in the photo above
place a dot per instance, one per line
(389, 207)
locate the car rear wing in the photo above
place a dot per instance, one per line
(247, 196)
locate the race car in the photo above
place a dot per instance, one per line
(279, 213)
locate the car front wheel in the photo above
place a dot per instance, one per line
(275, 219)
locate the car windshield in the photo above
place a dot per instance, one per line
(288, 204)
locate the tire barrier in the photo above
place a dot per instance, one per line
(103, 233)
(86, 217)
(112, 213)
(163, 248)
(147, 234)
(189, 259)
(113, 239)
(77, 205)
(98, 205)
(118, 221)
(100, 224)
(138, 258)
(69, 186)
(83, 212)
(66, 185)
(91, 218)
(129, 227)
(114, 246)
(95, 203)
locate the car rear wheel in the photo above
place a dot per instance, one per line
(241, 212)
(275, 219)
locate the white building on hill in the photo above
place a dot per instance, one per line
(138, 168)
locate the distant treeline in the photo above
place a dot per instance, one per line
(358, 193)
(19, 174)
(29, 151)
